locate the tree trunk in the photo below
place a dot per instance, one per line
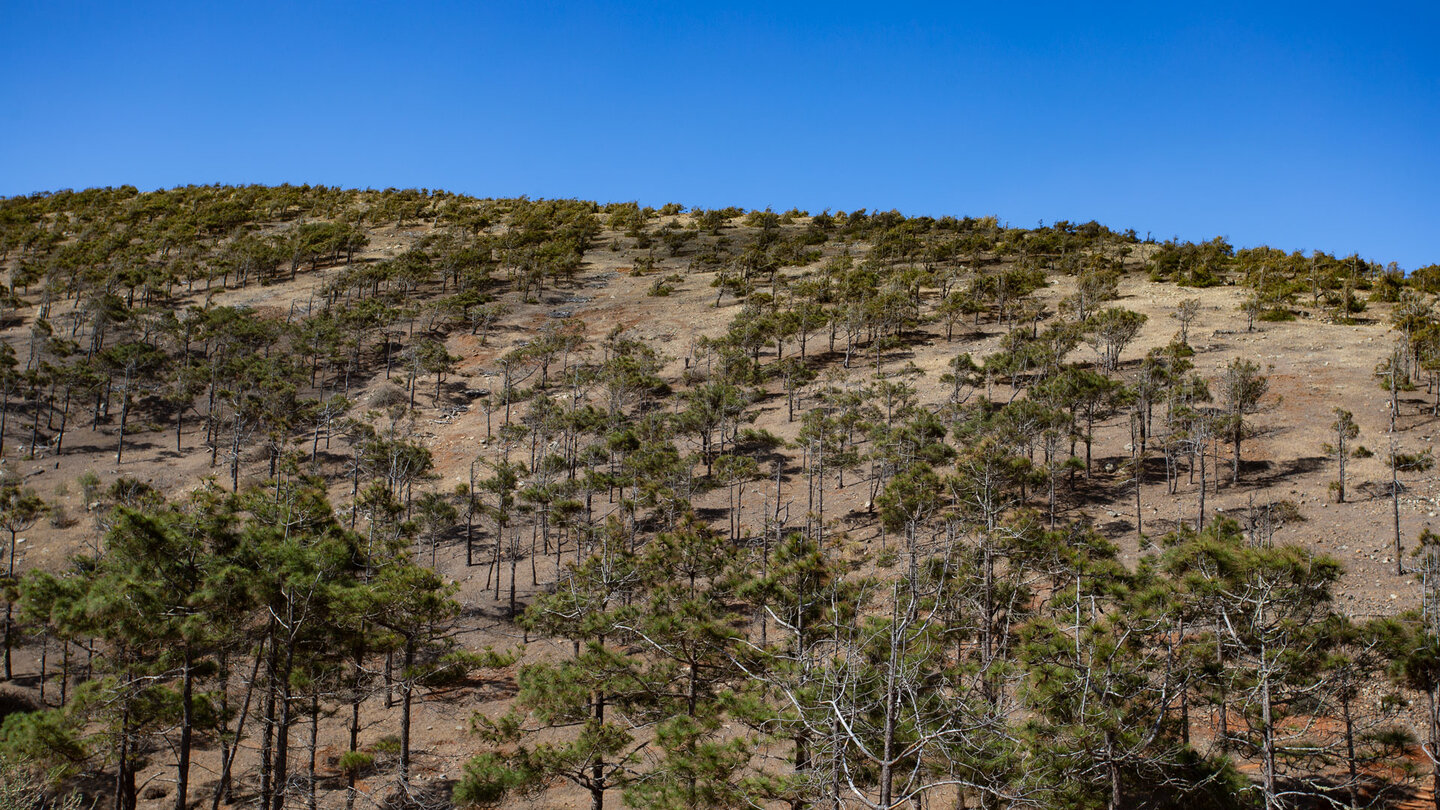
(1200, 520)
(1395, 514)
(887, 757)
(1113, 768)
(314, 741)
(187, 724)
(124, 799)
(5, 411)
(124, 415)
(355, 699)
(407, 687)
(1272, 801)
(1354, 782)
(597, 769)
(1434, 710)
(281, 764)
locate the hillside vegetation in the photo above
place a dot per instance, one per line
(315, 497)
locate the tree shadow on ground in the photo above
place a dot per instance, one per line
(1256, 474)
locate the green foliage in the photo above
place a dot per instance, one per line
(1192, 265)
(52, 737)
(1110, 330)
(1414, 462)
(887, 557)
(355, 762)
(487, 780)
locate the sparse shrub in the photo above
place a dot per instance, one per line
(60, 518)
(89, 487)
(1279, 513)
(1414, 462)
(133, 493)
(1393, 741)
(388, 396)
(1287, 511)
(1252, 307)
(356, 762)
(712, 220)
(674, 238)
(888, 556)
(23, 786)
(1179, 348)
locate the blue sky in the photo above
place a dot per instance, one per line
(1304, 126)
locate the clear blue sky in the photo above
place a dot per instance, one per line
(1304, 126)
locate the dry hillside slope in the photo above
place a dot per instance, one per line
(802, 501)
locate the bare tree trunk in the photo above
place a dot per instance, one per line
(1395, 508)
(228, 750)
(407, 688)
(310, 778)
(187, 724)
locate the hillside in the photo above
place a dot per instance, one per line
(329, 498)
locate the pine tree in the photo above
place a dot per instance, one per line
(593, 606)
(686, 626)
(1345, 432)
(20, 508)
